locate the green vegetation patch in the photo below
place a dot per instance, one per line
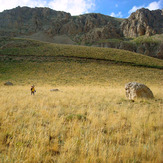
(156, 39)
(36, 48)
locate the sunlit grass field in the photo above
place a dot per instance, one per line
(89, 120)
(77, 72)
(79, 124)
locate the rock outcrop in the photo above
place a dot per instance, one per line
(8, 83)
(160, 52)
(136, 90)
(153, 49)
(143, 22)
(25, 21)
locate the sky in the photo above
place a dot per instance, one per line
(115, 8)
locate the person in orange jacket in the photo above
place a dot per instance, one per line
(33, 90)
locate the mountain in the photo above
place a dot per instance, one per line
(83, 28)
(143, 22)
(49, 25)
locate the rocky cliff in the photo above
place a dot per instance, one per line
(54, 26)
(26, 21)
(143, 22)
(82, 29)
(151, 46)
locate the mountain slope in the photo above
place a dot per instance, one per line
(25, 47)
(26, 21)
(24, 61)
(53, 26)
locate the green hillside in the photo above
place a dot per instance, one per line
(24, 47)
(26, 61)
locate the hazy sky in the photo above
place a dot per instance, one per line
(115, 8)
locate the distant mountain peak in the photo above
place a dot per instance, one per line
(143, 22)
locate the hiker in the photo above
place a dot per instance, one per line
(33, 90)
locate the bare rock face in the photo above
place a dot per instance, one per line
(143, 22)
(8, 83)
(160, 52)
(108, 30)
(136, 90)
(25, 21)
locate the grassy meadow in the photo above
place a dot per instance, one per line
(79, 124)
(89, 120)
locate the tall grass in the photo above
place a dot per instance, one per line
(89, 119)
(76, 72)
(79, 124)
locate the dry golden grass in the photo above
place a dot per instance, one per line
(89, 120)
(79, 124)
(77, 72)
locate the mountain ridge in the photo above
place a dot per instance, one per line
(60, 27)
